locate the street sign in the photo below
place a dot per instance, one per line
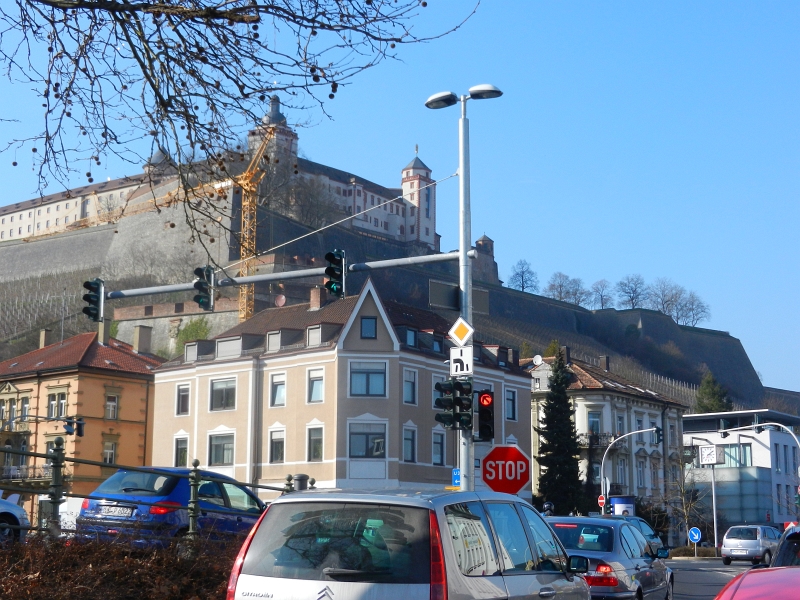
(694, 535)
(601, 501)
(460, 332)
(461, 361)
(506, 469)
(456, 477)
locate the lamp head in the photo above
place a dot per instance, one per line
(441, 100)
(484, 92)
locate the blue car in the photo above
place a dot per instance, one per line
(147, 508)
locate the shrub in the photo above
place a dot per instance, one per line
(689, 551)
(42, 569)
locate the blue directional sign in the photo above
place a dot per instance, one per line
(694, 535)
(456, 477)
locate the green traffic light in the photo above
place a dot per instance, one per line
(95, 299)
(336, 272)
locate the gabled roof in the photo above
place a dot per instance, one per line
(417, 164)
(585, 376)
(81, 350)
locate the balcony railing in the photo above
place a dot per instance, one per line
(618, 489)
(28, 473)
(598, 440)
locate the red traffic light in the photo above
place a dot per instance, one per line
(485, 399)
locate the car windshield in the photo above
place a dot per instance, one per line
(742, 533)
(583, 536)
(338, 541)
(137, 483)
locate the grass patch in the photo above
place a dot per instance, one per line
(689, 551)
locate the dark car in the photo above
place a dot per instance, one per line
(148, 507)
(644, 528)
(622, 564)
(787, 554)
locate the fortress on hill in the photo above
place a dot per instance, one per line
(111, 229)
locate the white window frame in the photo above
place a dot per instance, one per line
(641, 468)
(116, 407)
(386, 379)
(211, 383)
(415, 388)
(177, 399)
(439, 432)
(414, 449)
(308, 442)
(622, 471)
(112, 452)
(309, 379)
(513, 392)
(175, 449)
(272, 377)
(317, 331)
(270, 433)
(233, 448)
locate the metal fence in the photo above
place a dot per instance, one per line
(55, 470)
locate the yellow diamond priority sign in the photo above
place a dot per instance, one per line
(461, 331)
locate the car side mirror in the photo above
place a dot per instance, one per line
(662, 553)
(578, 564)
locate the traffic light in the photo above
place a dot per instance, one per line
(205, 287)
(659, 435)
(69, 426)
(79, 423)
(485, 415)
(445, 402)
(336, 271)
(797, 499)
(463, 404)
(96, 299)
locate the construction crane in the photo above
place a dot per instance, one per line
(249, 182)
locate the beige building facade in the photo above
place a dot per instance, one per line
(342, 391)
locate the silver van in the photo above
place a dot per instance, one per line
(755, 543)
(404, 545)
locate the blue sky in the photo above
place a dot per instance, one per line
(653, 138)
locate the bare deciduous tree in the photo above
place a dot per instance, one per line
(691, 310)
(567, 289)
(664, 295)
(523, 278)
(184, 76)
(602, 294)
(631, 291)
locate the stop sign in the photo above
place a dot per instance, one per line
(506, 469)
(601, 501)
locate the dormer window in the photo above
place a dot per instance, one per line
(273, 341)
(438, 344)
(314, 336)
(411, 338)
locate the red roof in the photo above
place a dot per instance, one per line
(81, 350)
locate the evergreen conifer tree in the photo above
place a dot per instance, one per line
(558, 447)
(711, 396)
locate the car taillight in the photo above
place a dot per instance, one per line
(85, 504)
(237, 565)
(438, 571)
(163, 508)
(604, 577)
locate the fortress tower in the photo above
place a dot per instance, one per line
(416, 180)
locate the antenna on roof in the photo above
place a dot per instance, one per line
(416, 149)
(63, 310)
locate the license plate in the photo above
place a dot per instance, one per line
(116, 511)
(739, 551)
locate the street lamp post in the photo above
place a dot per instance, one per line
(603, 462)
(443, 100)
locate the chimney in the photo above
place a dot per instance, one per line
(141, 339)
(104, 331)
(45, 337)
(319, 296)
(604, 363)
(565, 354)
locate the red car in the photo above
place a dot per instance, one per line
(779, 583)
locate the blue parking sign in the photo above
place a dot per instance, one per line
(456, 477)
(694, 535)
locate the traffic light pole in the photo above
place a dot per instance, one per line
(286, 275)
(604, 491)
(466, 455)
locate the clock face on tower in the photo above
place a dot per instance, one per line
(708, 455)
